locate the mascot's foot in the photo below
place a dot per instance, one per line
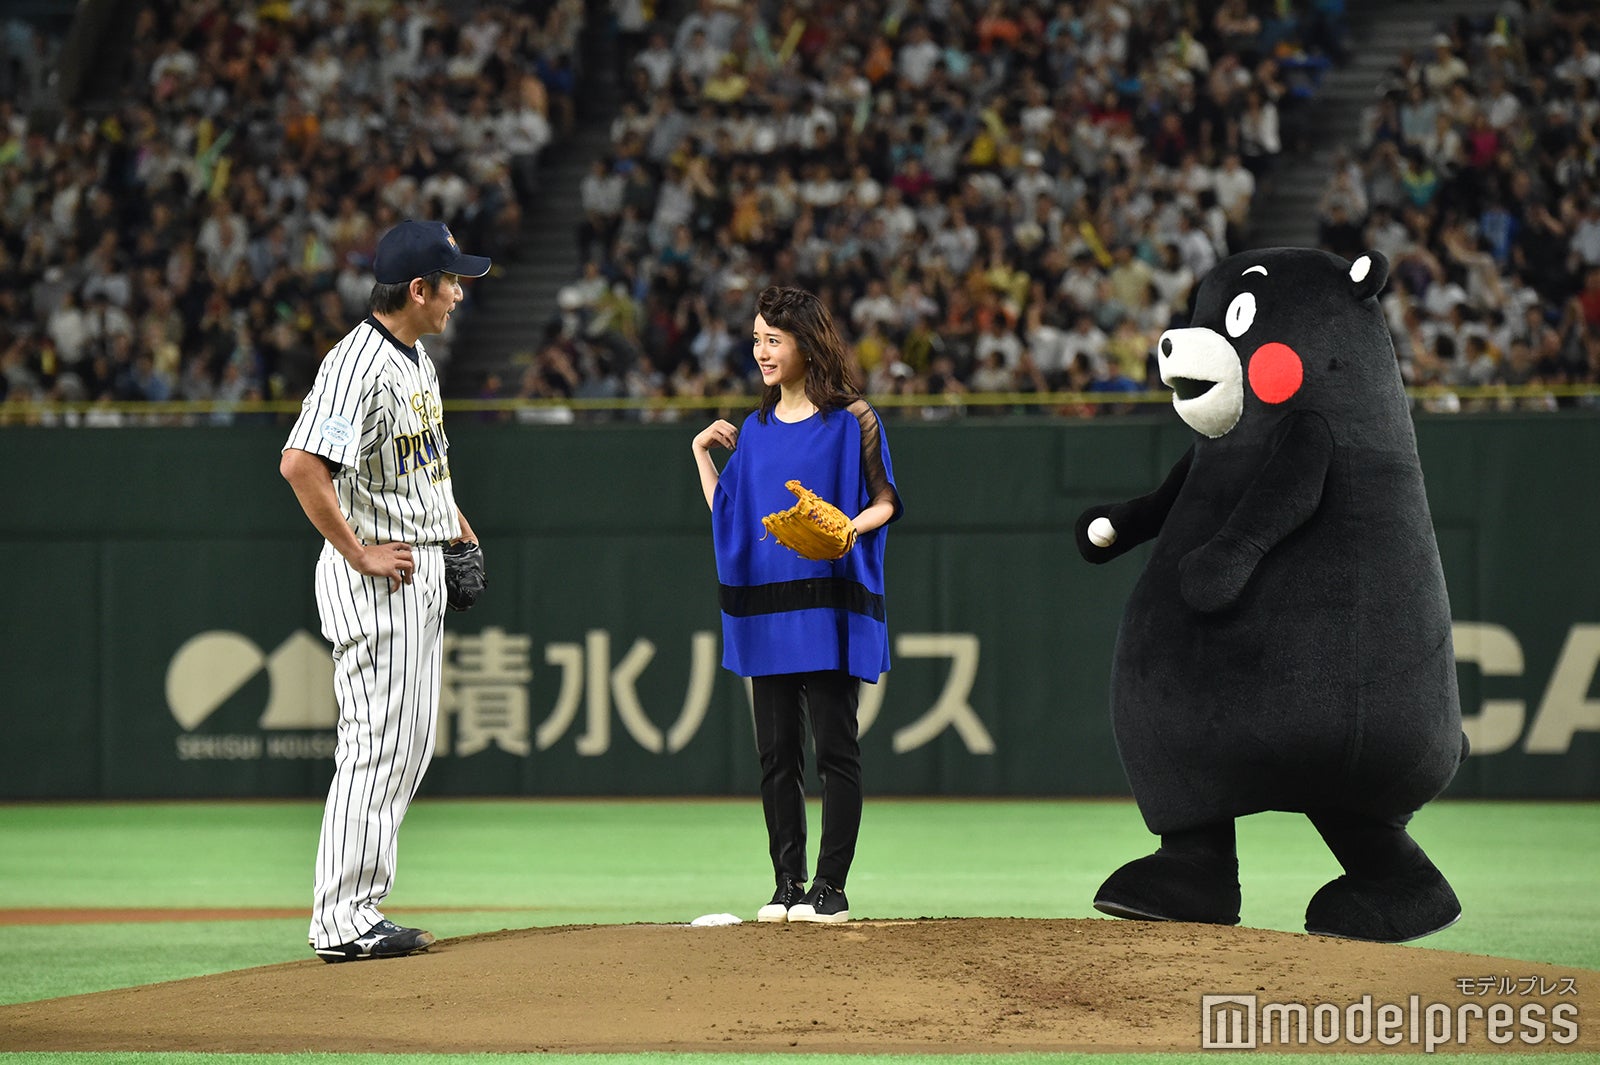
(1391, 909)
(1171, 887)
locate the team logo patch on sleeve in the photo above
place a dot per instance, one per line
(338, 430)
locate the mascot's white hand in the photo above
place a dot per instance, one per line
(1102, 533)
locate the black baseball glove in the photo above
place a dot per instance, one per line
(464, 578)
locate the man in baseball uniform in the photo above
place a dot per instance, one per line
(370, 465)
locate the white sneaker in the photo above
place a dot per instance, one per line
(823, 904)
(789, 892)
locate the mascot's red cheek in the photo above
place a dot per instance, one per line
(1275, 372)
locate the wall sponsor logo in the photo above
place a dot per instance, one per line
(300, 712)
(485, 695)
(1565, 709)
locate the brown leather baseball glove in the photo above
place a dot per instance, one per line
(813, 528)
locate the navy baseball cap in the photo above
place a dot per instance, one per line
(416, 249)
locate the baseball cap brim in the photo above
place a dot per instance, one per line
(469, 266)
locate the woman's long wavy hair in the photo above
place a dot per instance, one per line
(801, 315)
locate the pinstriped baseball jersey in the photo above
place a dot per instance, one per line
(375, 412)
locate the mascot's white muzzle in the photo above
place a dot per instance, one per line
(1206, 377)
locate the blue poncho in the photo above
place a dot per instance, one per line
(782, 613)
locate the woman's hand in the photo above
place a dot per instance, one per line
(720, 433)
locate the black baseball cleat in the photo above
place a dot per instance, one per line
(823, 904)
(789, 892)
(384, 940)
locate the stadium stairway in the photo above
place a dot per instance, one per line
(1380, 30)
(506, 328)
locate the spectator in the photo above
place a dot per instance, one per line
(601, 193)
(1260, 141)
(658, 62)
(1444, 69)
(1235, 189)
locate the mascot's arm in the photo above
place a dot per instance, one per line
(1133, 522)
(1283, 497)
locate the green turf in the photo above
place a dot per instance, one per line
(1525, 873)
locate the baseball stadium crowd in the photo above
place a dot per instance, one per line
(991, 197)
(1479, 177)
(211, 238)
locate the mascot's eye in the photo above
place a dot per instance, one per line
(1241, 313)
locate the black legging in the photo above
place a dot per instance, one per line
(830, 697)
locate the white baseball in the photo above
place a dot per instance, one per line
(1101, 532)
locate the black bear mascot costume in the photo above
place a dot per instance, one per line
(1288, 645)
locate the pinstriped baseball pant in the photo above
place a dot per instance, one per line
(388, 650)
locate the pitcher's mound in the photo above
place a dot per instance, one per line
(971, 985)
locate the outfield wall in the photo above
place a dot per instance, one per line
(162, 639)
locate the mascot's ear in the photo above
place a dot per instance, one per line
(1368, 274)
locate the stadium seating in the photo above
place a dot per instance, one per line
(211, 237)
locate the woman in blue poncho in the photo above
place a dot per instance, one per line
(805, 633)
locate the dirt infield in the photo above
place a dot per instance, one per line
(972, 985)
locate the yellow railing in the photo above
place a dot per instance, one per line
(201, 411)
